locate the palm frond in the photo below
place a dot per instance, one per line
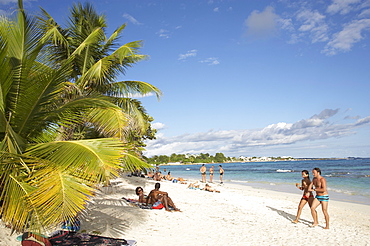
(133, 88)
(91, 39)
(96, 160)
(113, 37)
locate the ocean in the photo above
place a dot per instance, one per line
(347, 180)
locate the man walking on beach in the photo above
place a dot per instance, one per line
(322, 197)
(203, 170)
(221, 174)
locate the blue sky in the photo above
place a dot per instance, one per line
(250, 78)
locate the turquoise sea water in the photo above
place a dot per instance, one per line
(348, 180)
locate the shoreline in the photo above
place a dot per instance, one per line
(290, 188)
(238, 215)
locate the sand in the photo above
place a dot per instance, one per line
(238, 215)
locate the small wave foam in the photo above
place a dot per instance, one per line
(347, 192)
(239, 181)
(284, 171)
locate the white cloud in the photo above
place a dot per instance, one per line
(345, 39)
(138, 95)
(188, 54)
(235, 142)
(341, 6)
(216, 9)
(262, 24)
(163, 33)
(158, 125)
(314, 23)
(131, 19)
(211, 61)
(364, 14)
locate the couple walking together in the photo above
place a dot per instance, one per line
(318, 185)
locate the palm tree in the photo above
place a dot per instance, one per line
(44, 179)
(98, 60)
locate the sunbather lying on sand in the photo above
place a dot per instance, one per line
(209, 188)
(175, 180)
(194, 185)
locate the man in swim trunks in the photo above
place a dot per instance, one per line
(203, 170)
(322, 197)
(156, 197)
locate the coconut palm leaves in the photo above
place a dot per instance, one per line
(47, 88)
(98, 61)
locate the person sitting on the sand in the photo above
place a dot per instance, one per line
(150, 174)
(157, 176)
(160, 199)
(140, 192)
(209, 188)
(169, 177)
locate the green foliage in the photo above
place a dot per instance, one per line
(66, 126)
(187, 158)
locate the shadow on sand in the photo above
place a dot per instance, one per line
(110, 215)
(289, 216)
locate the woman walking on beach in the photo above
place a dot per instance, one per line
(307, 195)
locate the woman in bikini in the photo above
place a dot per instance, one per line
(211, 172)
(221, 174)
(140, 192)
(307, 195)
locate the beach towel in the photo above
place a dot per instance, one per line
(67, 238)
(135, 203)
(157, 205)
(142, 206)
(33, 239)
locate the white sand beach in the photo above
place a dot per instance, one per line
(238, 215)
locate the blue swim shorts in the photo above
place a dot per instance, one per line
(324, 198)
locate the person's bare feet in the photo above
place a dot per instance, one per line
(326, 227)
(295, 221)
(313, 225)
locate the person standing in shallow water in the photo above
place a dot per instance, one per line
(322, 197)
(221, 174)
(307, 195)
(211, 172)
(203, 171)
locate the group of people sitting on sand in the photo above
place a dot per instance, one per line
(156, 198)
(158, 176)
